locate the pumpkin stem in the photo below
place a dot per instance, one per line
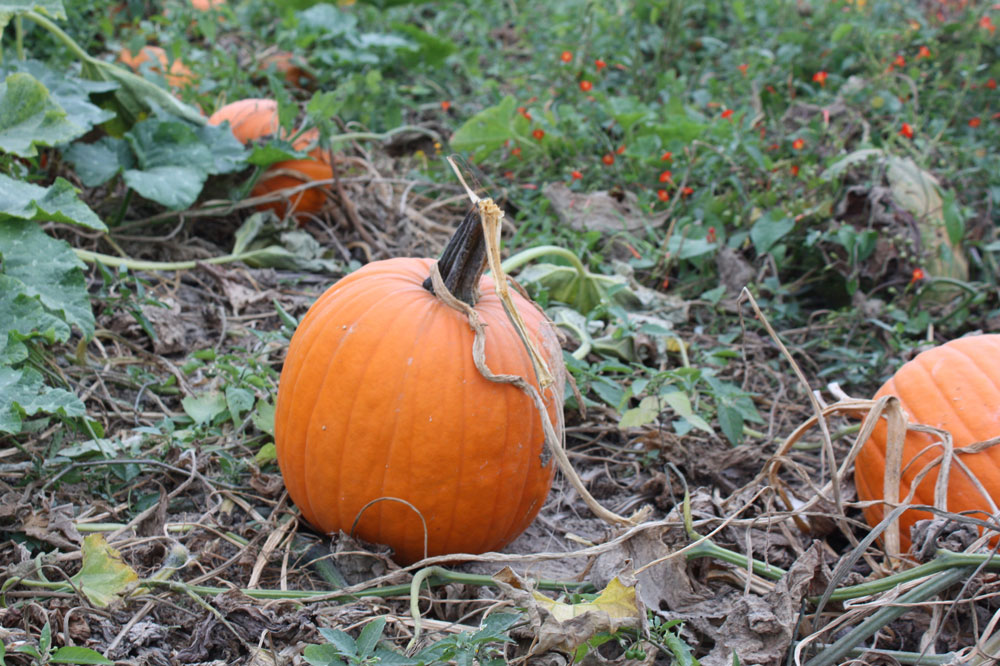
(463, 261)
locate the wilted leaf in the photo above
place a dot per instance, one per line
(104, 577)
(565, 627)
(582, 291)
(599, 210)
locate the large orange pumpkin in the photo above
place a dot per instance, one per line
(955, 387)
(253, 119)
(379, 398)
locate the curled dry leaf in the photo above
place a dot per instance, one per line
(565, 627)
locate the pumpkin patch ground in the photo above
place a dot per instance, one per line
(426, 333)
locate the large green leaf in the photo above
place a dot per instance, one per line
(97, 163)
(24, 317)
(57, 203)
(29, 117)
(49, 270)
(174, 159)
(70, 92)
(11, 8)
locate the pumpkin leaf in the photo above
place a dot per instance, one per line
(29, 117)
(565, 627)
(581, 291)
(103, 578)
(56, 203)
(70, 92)
(97, 163)
(11, 8)
(46, 269)
(23, 393)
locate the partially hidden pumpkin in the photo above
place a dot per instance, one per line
(954, 387)
(379, 400)
(255, 119)
(293, 68)
(177, 76)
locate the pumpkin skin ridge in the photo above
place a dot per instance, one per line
(317, 338)
(962, 379)
(346, 426)
(510, 525)
(426, 319)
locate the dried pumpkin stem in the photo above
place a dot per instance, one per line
(463, 261)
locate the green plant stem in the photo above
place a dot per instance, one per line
(833, 654)
(317, 595)
(521, 258)
(140, 265)
(915, 658)
(19, 37)
(67, 41)
(126, 200)
(944, 561)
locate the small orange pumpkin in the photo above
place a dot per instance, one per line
(290, 66)
(179, 75)
(379, 398)
(253, 119)
(955, 387)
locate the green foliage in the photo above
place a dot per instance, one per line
(465, 648)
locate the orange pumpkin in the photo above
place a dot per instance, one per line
(249, 119)
(253, 119)
(379, 398)
(179, 75)
(955, 387)
(290, 66)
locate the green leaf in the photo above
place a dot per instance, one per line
(71, 93)
(431, 49)
(57, 203)
(263, 417)
(841, 31)
(97, 163)
(645, 413)
(104, 577)
(176, 187)
(23, 393)
(228, 154)
(49, 270)
(342, 641)
(679, 402)
(731, 422)
(369, 637)
(136, 96)
(11, 8)
(204, 408)
(487, 130)
(322, 655)
(767, 231)
(24, 317)
(29, 116)
(238, 401)
(266, 454)
(73, 654)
